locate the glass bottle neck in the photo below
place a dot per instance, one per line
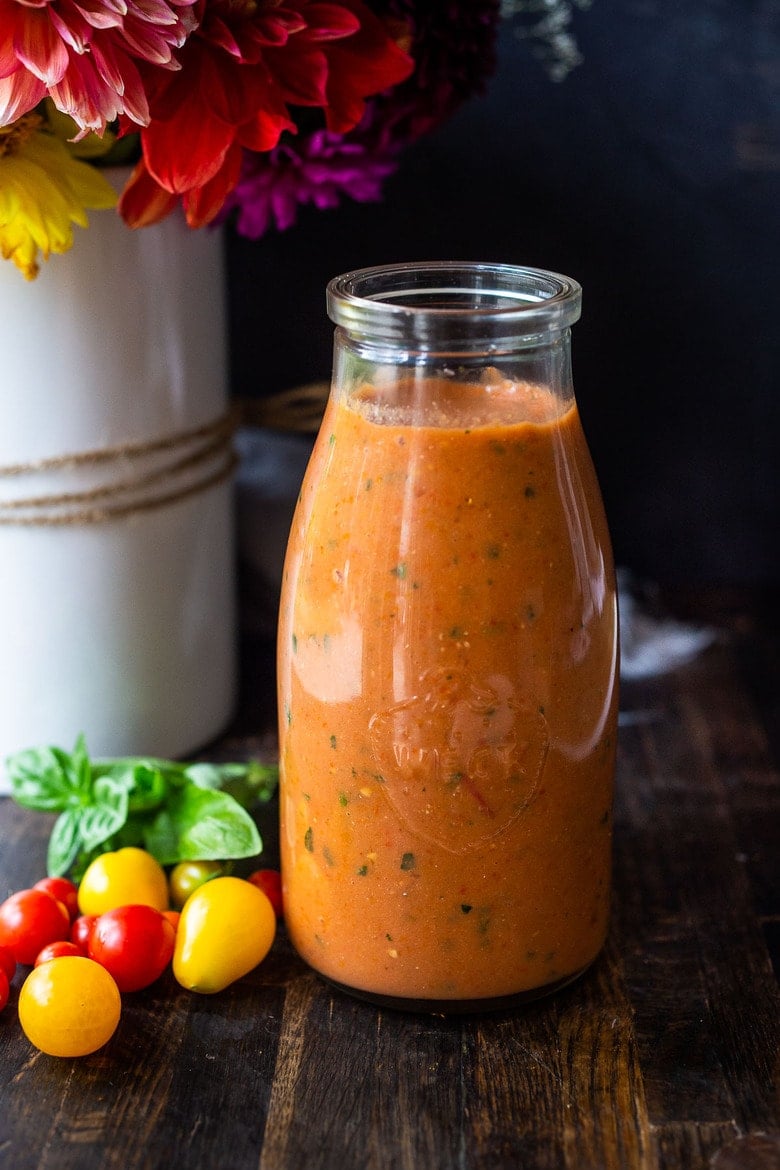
(452, 309)
(408, 335)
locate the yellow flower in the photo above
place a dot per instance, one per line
(43, 192)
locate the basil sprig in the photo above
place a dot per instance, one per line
(177, 811)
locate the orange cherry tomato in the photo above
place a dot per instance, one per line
(69, 1006)
(173, 917)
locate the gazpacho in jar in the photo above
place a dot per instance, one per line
(447, 689)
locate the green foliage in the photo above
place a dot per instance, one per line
(179, 812)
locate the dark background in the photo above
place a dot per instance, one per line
(650, 173)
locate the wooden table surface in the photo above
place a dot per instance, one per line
(665, 1055)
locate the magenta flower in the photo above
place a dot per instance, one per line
(84, 56)
(318, 169)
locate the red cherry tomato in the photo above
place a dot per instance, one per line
(5, 990)
(270, 882)
(29, 920)
(56, 950)
(7, 963)
(64, 891)
(80, 931)
(134, 944)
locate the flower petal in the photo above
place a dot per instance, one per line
(19, 94)
(330, 21)
(102, 13)
(179, 161)
(120, 74)
(43, 191)
(301, 75)
(362, 65)
(39, 48)
(203, 204)
(143, 201)
(9, 62)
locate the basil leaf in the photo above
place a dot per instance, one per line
(42, 779)
(64, 843)
(78, 764)
(205, 775)
(106, 815)
(117, 765)
(177, 811)
(199, 824)
(143, 780)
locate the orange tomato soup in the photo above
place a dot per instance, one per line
(448, 695)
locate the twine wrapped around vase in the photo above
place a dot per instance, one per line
(188, 462)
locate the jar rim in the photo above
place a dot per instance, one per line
(425, 301)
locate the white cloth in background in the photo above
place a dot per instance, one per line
(651, 642)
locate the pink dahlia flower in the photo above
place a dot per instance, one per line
(85, 56)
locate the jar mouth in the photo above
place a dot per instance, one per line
(427, 302)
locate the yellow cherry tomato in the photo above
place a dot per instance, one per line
(226, 928)
(69, 1006)
(128, 877)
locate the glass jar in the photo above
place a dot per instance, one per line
(448, 650)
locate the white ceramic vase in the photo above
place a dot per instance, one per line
(121, 627)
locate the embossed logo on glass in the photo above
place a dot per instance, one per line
(462, 758)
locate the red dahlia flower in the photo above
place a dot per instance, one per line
(245, 66)
(85, 56)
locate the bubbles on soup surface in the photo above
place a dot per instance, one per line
(491, 399)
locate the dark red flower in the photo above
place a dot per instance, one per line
(454, 51)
